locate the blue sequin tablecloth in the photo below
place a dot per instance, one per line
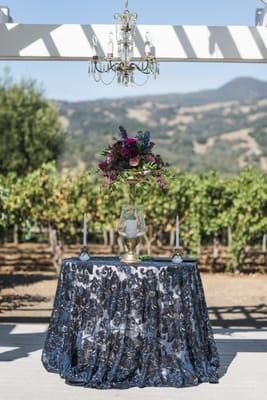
(115, 325)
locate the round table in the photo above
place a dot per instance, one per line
(116, 325)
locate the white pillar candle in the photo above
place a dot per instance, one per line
(177, 231)
(84, 230)
(131, 228)
(110, 44)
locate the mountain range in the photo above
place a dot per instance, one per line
(223, 129)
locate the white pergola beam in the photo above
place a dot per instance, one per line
(172, 43)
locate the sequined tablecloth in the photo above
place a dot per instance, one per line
(115, 325)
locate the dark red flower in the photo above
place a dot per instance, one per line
(125, 152)
(133, 152)
(103, 166)
(117, 146)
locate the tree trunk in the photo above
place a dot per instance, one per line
(199, 248)
(264, 242)
(112, 239)
(215, 246)
(121, 244)
(230, 237)
(52, 239)
(57, 256)
(56, 248)
(159, 239)
(148, 245)
(16, 234)
(105, 237)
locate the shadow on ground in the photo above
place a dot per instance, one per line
(13, 280)
(229, 348)
(239, 316)
(26, 343)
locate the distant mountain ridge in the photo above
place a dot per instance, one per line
(224, 128)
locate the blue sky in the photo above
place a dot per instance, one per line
(69, 80)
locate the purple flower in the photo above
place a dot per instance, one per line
(147, 136)
(123, 132)
(130, 141)
(150, 158)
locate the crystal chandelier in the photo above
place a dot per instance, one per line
(122, 65)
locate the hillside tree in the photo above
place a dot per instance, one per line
(30, 131)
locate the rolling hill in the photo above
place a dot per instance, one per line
(223, 129)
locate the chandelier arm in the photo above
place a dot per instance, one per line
(108, 83)
(144, 71)
(137, 65)
(114, 66)
(97, 78)
(151, 64)
(145, 81)
(99, 70)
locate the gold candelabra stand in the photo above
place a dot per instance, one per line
(133, 179)
(130, 257)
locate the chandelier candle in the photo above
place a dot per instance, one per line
(110, 46)
(124, 66)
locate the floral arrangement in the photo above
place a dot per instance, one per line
(132, 154)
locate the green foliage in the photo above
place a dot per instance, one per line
(3, 200)
(30, 132)
(206, 204)
(217, 195)
(248, 215)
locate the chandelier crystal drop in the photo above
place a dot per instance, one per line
(119, 62)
